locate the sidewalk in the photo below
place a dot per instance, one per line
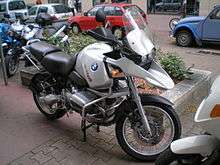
(26, 137)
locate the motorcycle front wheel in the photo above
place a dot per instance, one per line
(136, 142)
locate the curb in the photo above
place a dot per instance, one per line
(188, 94)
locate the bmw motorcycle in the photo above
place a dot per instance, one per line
(98, 83)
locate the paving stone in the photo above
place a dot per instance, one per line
(24, 160)
(104, 145)
(44, 148)
(88, 148)
(52, 162)
(101, 154)
(99, 162)
(60, 144)
(41, 158)
(80, 158)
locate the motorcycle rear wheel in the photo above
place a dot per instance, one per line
(38, 81)
(141, 147)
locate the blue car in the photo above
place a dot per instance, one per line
(198, 29)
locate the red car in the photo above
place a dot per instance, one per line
(113, 13)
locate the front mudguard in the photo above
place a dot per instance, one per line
(201, 144)
(129, 105)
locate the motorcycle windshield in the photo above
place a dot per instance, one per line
(138, 35)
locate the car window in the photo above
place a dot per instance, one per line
(61, 9)
(2, 7)
(118, 11)
(32, 11)
(16, 5)
(176, 1)
(109, 10)
(42, 9)
(217, 15)
(93, 11)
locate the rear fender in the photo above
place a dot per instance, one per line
(201, 144)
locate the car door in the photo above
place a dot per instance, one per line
(211, 26)
(88, 21)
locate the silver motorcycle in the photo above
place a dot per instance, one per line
(98, 83)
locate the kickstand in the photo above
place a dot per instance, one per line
(83, 127)
(98, 128)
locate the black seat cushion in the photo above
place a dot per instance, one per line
(59, 63)
(41, 49)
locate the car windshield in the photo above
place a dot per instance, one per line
(61, 9)
(16, 5)
(2, 7)
(137, 32)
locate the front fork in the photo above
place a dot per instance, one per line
(137, 100)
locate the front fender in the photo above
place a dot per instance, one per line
(201, 144)
(189, 28)
(149, 98)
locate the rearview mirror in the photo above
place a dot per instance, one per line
(100, 16)
(212, 16)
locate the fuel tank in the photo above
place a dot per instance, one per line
(91, 67)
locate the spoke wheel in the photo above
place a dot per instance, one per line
(142, 145)
(43, 88)
(12, 65)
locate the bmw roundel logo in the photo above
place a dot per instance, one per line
(94, 67)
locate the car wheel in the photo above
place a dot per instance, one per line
(184, 38)
(75, 28)
(118, 33)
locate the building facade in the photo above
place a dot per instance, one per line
(207, 5)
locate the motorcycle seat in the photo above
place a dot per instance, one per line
(59, 63)
(41, 49)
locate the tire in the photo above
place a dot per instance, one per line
(75, 28)
(118, 32)
(169, 158)
(36, 80)
(173, 22)
(184, 38)
(169, 111)
(11, 65)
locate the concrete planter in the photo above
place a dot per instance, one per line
(189, 93)
(186, 94)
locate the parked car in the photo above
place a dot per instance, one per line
(13, 8)
(113, 13)
(58, 11)
(199, 29)
(165, 5)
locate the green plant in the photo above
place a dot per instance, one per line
(76, 42)
(174, 66)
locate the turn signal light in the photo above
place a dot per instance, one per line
(215, 111)
(116, 73)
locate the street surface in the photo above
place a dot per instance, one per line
(27, 138)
